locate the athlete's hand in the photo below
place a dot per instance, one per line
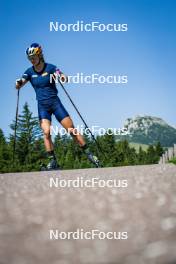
(18, 83)
(63, 78)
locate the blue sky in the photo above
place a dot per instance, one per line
(146, 53)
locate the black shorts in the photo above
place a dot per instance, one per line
(51, 106)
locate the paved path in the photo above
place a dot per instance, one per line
(145, 209)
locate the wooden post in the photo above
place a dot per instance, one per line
(160, 160)
(166, 156)
(174, 150)
(163, 158)
(170, 153)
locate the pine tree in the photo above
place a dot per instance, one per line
(108, 145)
(159, 149)
(69, 159)
(61, 146)
(38, 156)
(122, 152)
(141, 156)
(28, 131)
(152, 157)
(59, 149)
(77, 163)
(4, 154)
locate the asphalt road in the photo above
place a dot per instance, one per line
(140, 210)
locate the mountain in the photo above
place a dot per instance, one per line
(148, 130)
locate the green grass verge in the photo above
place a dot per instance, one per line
(137, 145)
(173, 161)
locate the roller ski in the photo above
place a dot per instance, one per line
(94, 160)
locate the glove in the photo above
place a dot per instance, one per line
(63, 78)
(18, 83)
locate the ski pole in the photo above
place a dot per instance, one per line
(16, 121)
(86, 126)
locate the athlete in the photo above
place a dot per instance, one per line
(49, 103)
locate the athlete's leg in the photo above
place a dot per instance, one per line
(45, 125)
(45, 112)
(63, 117)
(67, 123)
(52, 162)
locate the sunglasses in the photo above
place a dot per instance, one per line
(32, 57)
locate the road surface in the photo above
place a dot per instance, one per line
(140, 209)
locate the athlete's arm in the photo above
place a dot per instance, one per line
(20, 82)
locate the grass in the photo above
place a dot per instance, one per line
(137, 145)
(173, 161)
